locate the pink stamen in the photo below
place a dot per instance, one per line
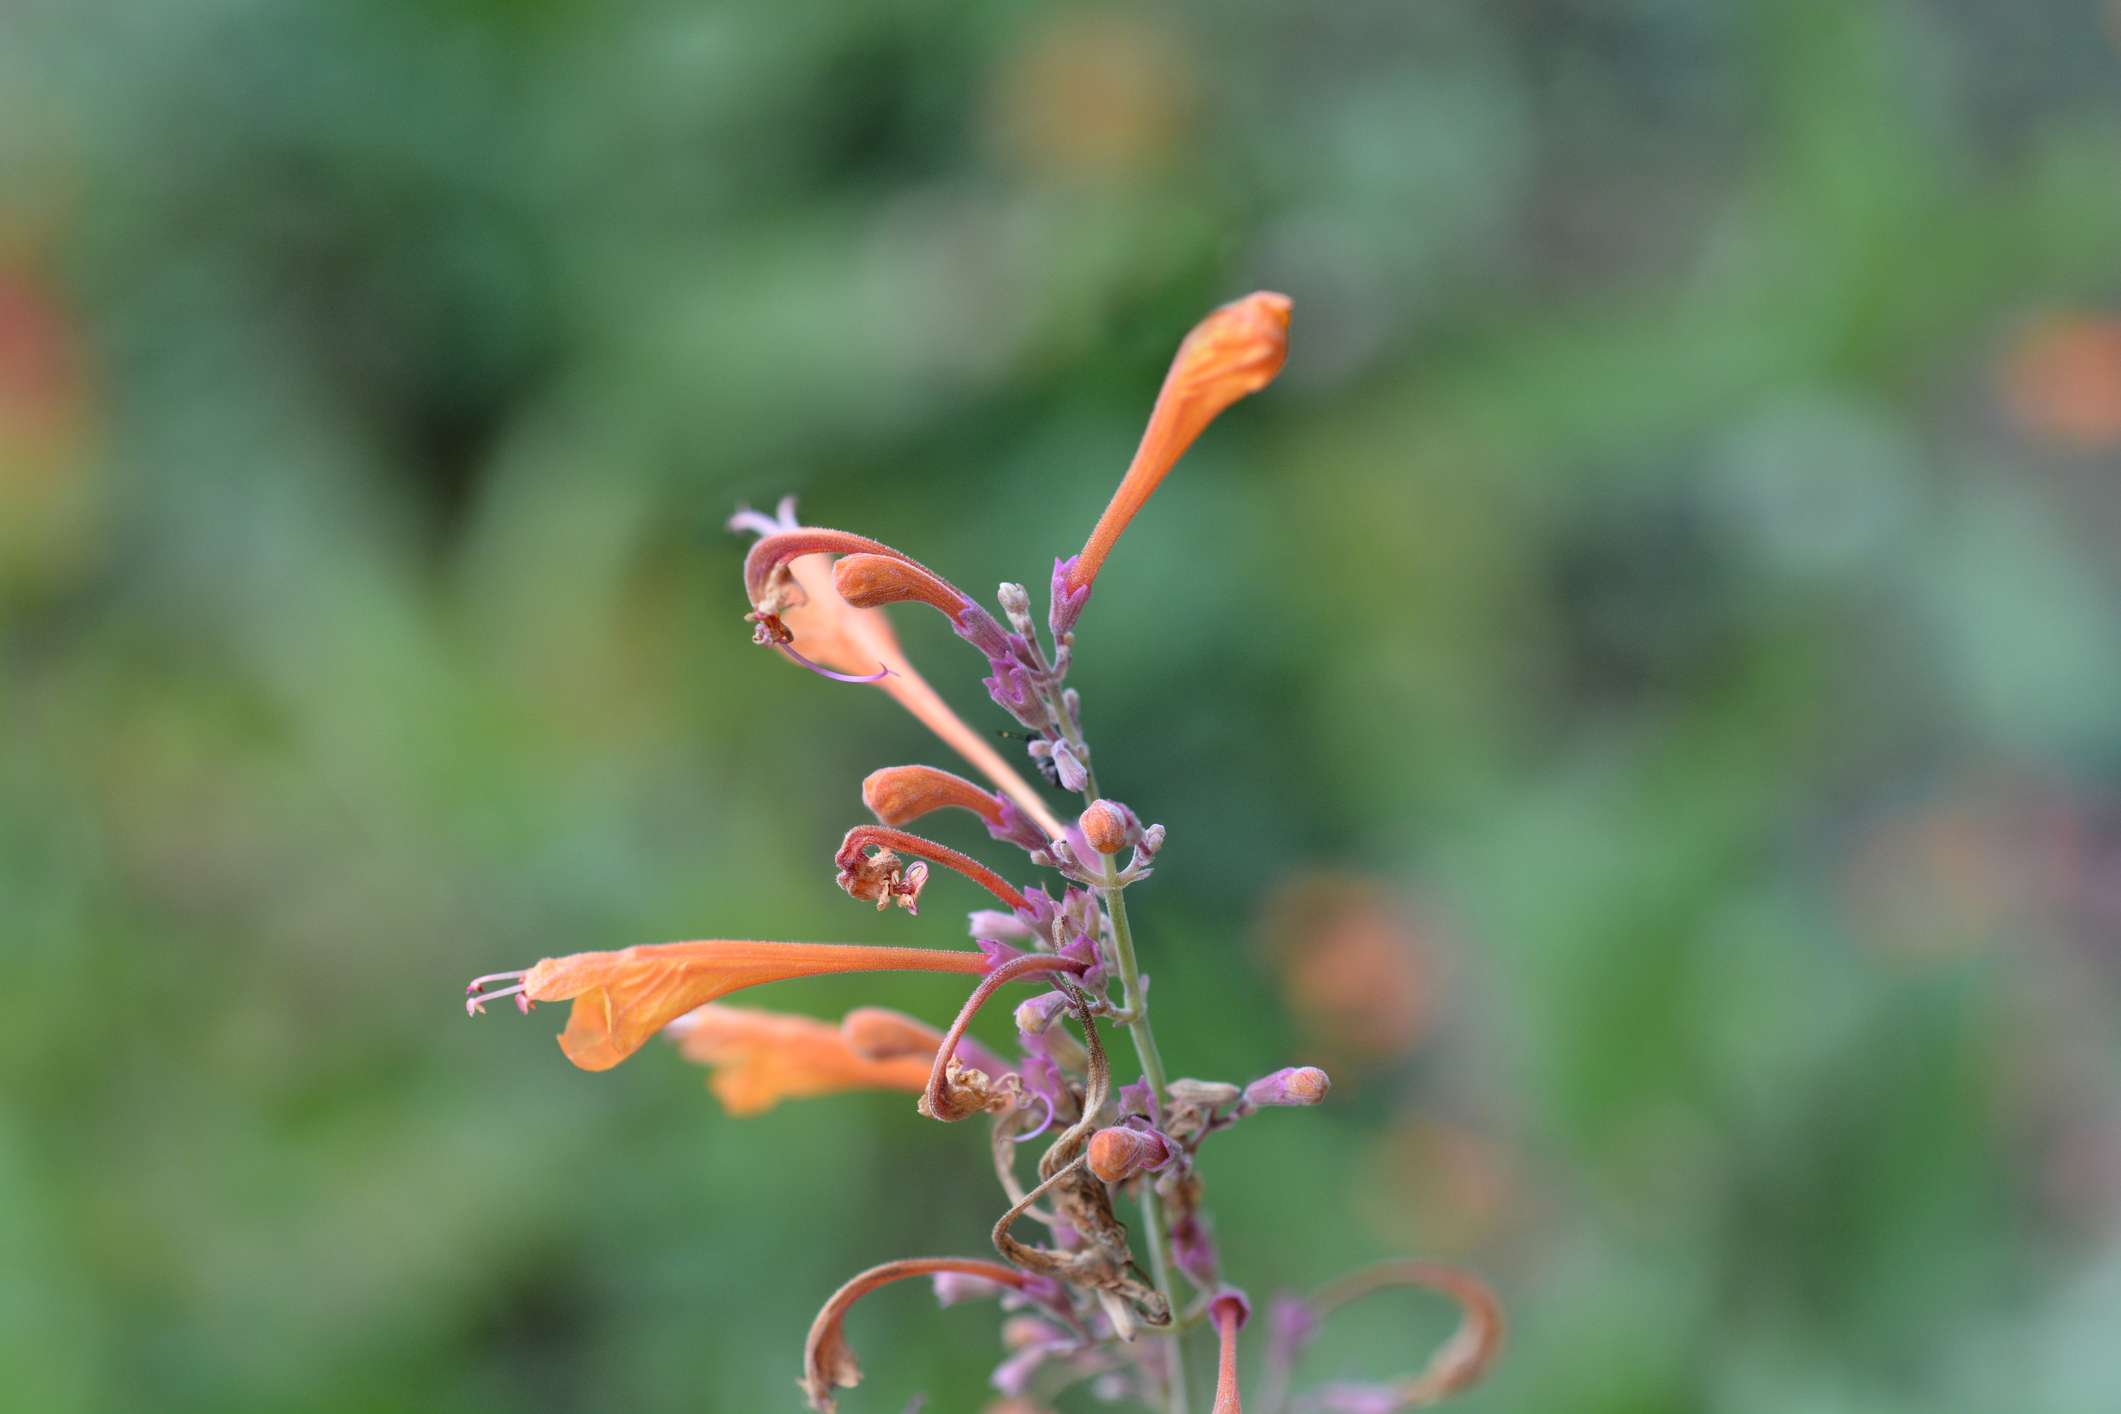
(788, 651)
(475, 1002)
(478, 982)
(1043, 1125)
(759, 523)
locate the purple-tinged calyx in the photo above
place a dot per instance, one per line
(1068, 766)
(1068, 601)
(1138, 1097)
(1084, 949)
(1014, 691)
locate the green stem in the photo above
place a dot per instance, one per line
(1136, 1006)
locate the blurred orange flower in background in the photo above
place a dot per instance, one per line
(2062, 380)
(1440, 1186)
(1357, 966)
(47, 501)
(1095, 94)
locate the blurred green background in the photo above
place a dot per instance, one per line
(1640, 698)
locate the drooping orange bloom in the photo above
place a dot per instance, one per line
(1234, 352)
(622, 998)
(760, 1058)
(856, 642)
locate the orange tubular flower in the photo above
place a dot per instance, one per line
(1234, 352)
(829, 1365)
(1230, 1311)
(855, 643)
(622, 998)
(760, 1058)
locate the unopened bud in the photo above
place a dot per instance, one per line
(1212, 1094)
(898, 795)
(872, 581)
(1104, 826)
(1119, 1153)
(1291, 1085)
(1068, 767)
(1016, 605)
(1036, 1016)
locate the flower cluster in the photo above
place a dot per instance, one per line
(1085, 1303)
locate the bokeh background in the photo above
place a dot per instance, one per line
(1640, 699)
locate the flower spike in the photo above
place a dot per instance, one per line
(1234, 352)
(622, 998)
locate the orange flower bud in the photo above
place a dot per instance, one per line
(1234, 352)
(1119, 1153)
(1104, 827)
(899, 795)
(872, 581)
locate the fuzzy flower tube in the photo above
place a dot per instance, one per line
(1125, 1307)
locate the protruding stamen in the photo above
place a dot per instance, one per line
(475, 1004)
(759, 523)
(788, 651)
(1043, 1125)
(478, 982)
